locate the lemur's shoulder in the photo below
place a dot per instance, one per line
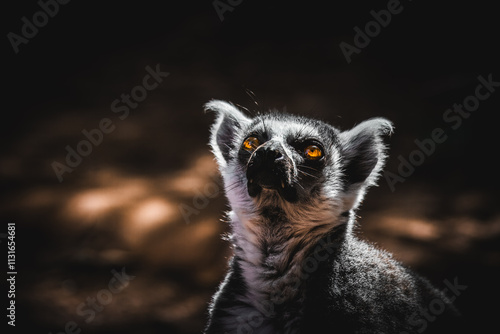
(368, 288)
(294, 186)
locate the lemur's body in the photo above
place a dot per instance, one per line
(293, 185)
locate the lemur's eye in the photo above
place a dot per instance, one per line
(250, 144)
(313, 152)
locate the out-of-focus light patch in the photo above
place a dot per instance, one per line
(110, 256)
(473, 229)
(40, 197)
(104, 177)
(151, 212)
(92, 204)
(205, 230)
(114, 256)
(468, 228)
(187, 184)
(204, 164)
(192, 180)
(128, 131)
(147, 294)
(422, 229)
(185, 247)
(410, 227)
(183, 309)
(209, 275)
(146, 216)
(109, 177)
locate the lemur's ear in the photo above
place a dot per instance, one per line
(363, 152)
(229, 121)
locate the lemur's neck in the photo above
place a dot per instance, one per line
(277, 255)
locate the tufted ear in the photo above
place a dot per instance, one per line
(228, 122)
(363, 155)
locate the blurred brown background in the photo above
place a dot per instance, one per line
(121, 207)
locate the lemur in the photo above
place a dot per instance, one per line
(294, 185)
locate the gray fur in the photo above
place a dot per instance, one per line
(300, 213)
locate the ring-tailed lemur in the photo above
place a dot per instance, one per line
(293, 185)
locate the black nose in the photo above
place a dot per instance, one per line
(268, 166)
(267, 157)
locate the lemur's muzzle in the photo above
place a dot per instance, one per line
(270, 167)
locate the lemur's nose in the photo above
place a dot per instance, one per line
(270, 167)
(269, 158)
(271, 153)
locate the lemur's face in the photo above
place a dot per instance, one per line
(295, 163)
(287, 156)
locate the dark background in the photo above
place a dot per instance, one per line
(121, 207)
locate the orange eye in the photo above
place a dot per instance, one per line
(250, 144)
(313, 152)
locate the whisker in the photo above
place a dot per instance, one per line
(307, 174)
(233, 186)
(298, 184)
(304, 166)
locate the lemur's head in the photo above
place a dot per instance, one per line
(301, 165)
